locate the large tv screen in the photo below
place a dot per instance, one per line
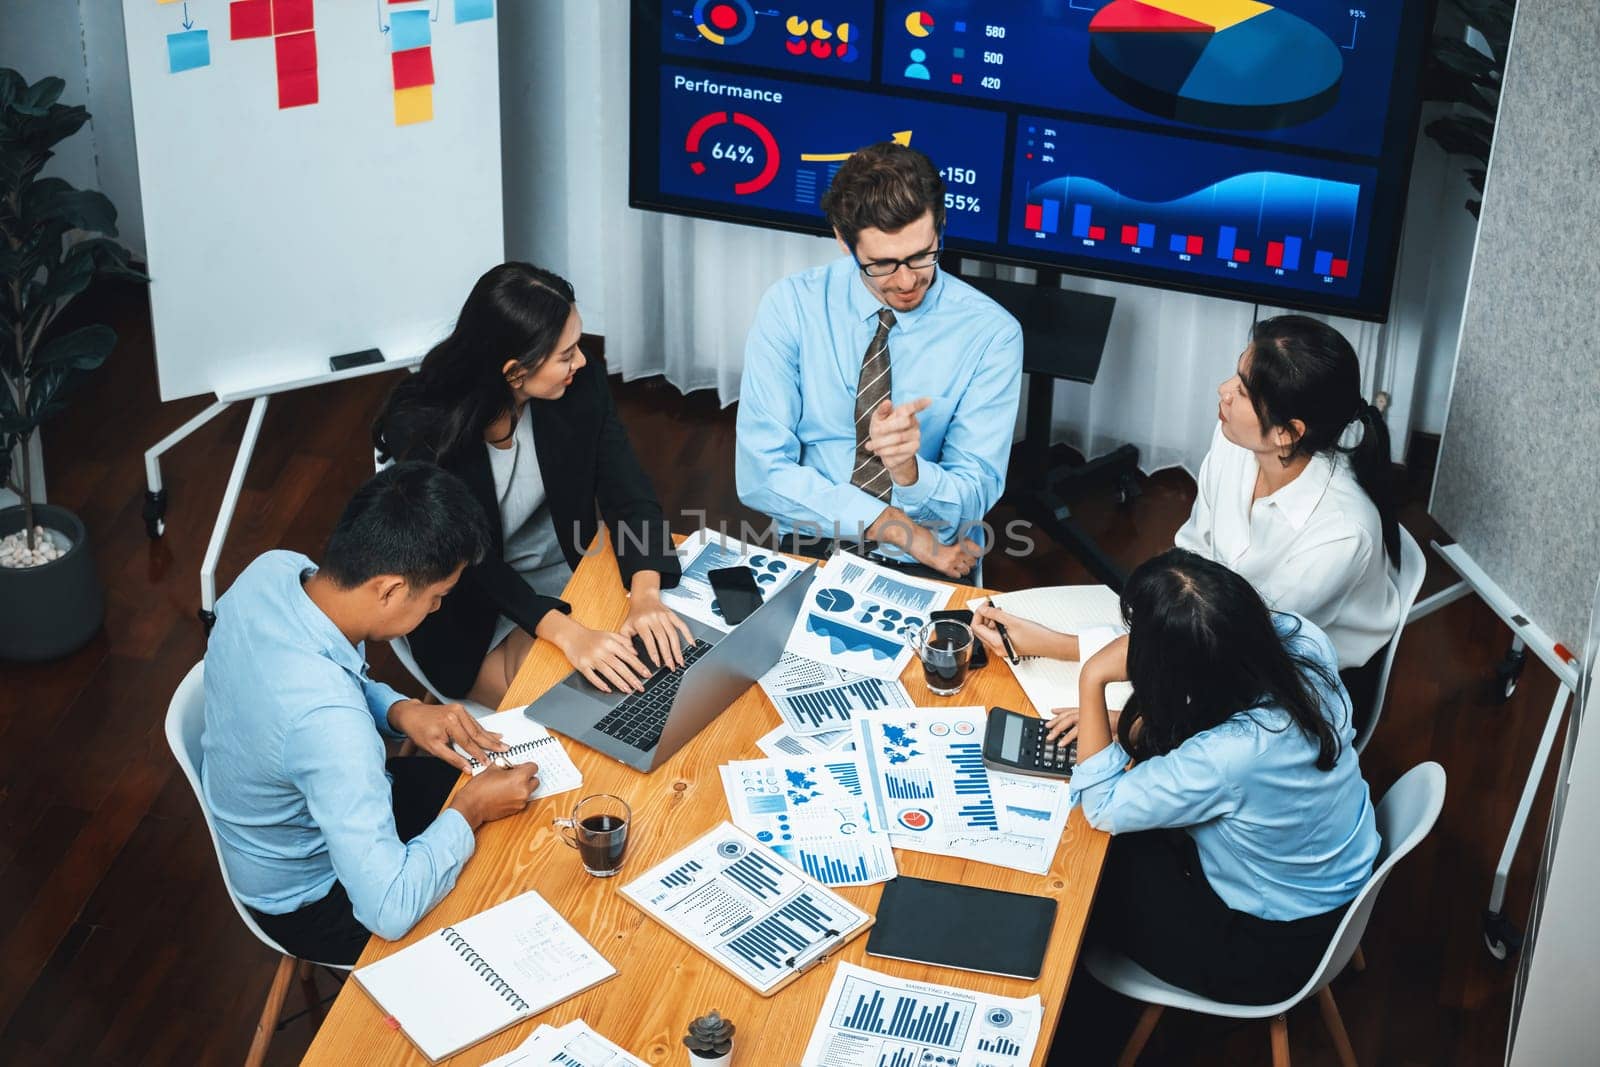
(1245, 149)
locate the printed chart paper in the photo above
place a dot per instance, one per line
(812, 812)
(785, 742)
(870, 1019)
(930, 788)
(745, 907)
(814, 698)
(705, 551)
(863, 618)
(572, 1045)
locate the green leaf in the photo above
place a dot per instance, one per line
(83, 349)
(79, 209)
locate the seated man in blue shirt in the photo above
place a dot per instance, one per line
(321, 844)
(879, 394)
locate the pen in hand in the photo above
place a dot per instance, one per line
(1005, 639)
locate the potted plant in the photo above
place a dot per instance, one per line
(710, 1040)
(52, 596)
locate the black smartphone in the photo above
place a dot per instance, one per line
(980, 651)
(737, 593)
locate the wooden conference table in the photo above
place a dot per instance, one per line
(661, 982)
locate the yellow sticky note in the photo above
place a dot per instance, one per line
(413, 105)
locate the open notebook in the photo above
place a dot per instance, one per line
(1071, 609)
(461, 984)
(529, 742)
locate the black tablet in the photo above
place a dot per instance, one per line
(962, 926)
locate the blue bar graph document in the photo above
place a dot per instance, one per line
(812, 811)
(875, 1020)
(927, 786)
(751, 911)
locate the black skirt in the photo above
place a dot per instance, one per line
(1155, 906)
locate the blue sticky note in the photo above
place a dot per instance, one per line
(188, 50)
(408, 30)
(474, 10)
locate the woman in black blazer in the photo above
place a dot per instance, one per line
(504, 403)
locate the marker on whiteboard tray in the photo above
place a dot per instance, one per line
(363, 358)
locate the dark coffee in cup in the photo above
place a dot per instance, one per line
(602, 841)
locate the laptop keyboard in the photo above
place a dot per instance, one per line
(639, 720)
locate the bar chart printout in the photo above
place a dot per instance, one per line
(875, 1020)
(749, 910)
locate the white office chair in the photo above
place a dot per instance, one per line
(1413, 568)
(1405, 815)
(185, 722)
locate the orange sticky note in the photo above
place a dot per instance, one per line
(413, 105)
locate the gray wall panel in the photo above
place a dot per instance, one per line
(1519, 469)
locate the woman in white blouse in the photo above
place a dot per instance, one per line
(1293, 495)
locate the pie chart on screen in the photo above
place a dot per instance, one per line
(1229, 64)
(919, 24)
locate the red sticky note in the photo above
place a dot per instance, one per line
(250, 18)
(297, 52)
(413, 67)
(291, 16)
(297, 88)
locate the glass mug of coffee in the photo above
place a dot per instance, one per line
(598, 829)
(945, 648)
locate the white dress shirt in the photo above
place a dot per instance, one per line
(1314, 547)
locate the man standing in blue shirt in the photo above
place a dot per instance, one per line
(324, 842)
(879, 394)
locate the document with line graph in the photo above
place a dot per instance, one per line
(863, 618)
(747, 908)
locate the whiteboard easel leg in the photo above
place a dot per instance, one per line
(155, 496)
(1499, 933)
(230, 500)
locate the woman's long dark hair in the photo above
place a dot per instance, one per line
(1304, 369)
(1202, 648)
(515, 311)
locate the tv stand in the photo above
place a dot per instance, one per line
(1063, 336)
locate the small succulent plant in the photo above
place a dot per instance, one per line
(710, 1035)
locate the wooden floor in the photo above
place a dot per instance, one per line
(118, 944)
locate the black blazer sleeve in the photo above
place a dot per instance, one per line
(451, 643)
(639, 531)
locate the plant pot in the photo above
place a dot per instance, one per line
(700, 1059)
(50, 610)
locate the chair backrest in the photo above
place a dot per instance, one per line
(1413, 568)
(1405, 815)
(186, 721)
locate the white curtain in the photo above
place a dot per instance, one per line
(676, 296)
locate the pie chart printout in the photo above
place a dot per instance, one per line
(1233, 64)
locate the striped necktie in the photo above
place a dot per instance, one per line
(872, 389)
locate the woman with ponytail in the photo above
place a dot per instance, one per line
(505, 403)
(1293, 495)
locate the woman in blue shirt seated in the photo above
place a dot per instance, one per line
(1244, 828)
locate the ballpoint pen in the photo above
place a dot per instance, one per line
(1005, 639)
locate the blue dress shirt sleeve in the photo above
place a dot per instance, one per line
(335, 760)
(380, 698)
(1185, 787)
(767, 468)
(966, 478)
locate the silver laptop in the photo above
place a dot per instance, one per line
(644, 729)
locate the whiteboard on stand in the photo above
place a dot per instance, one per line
(318, 177)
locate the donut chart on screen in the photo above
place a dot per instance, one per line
(1230, 64)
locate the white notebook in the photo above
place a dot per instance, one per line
(1070, 609)
(466, 982)
(529, 742)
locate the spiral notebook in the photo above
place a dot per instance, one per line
(469, 981)
(528, 742)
